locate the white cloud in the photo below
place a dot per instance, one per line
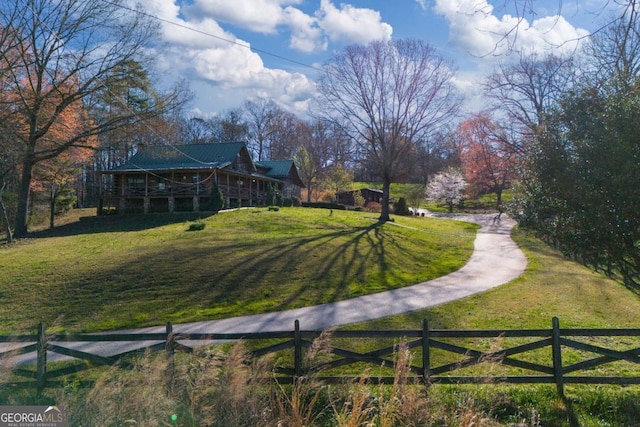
(161, 8)
(347, 24)
(197, 34)
(351, 24)
(292, 91)
(306, 36)
(261, 16)
(475, 28)
(222, 69)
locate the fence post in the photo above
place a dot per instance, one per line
(41, 363)
(297, 357)
(556, 352)
(169, 348)
(426, 357)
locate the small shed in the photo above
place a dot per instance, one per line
(368, 194)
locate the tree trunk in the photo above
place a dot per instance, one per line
(5, 217)
(22, 213)
(384, 211)
(52, 206)
(499, 200)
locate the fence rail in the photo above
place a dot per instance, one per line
(444, 355)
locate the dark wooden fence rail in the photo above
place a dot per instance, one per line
(424, 341)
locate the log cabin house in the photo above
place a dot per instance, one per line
(180, 178)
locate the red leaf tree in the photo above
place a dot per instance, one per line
(488, 160)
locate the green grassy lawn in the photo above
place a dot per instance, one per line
(106, 273)
(551, 286)
(119, 272)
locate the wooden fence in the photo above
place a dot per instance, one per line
(445, 356)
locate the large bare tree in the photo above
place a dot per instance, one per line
(261, 115)
(65, 52)
(386, 96)
(523, 93)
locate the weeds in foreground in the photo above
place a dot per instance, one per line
(219, 387)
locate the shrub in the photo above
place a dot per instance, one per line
(324, 205)
(401, 208)
(373, 207)
(274, 196)
(217, 199)
(196, 226)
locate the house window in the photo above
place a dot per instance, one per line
(135, 182)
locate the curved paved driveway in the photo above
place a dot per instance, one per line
(496, 260)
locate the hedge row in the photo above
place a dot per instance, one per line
(324, 205)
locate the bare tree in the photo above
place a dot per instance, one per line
(229, 127)
(196, 130)
(261, 115)
(284, 135)
(614, 52)
(312, 155)
(524, 92)
(68, 52)
(386, 96)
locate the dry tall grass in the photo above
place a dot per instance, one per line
(216, 387)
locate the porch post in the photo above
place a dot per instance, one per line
(121, 201)
(228, 192)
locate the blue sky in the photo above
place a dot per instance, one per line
(290, 39)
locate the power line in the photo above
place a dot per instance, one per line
(195, 30)
(120, 101)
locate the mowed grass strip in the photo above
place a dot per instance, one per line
(138, 271)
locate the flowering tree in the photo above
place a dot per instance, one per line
(488, 159)
(447, 187)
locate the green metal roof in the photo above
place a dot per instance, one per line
(277, 168)
(204, 156)
(282, 169)
(185, 156)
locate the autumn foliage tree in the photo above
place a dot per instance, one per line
(56, 176)
(58, 56)
(487, 157)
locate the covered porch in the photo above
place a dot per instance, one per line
(182, 191)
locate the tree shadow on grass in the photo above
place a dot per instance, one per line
(177, 283)
(119, 223)
(212, 274)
